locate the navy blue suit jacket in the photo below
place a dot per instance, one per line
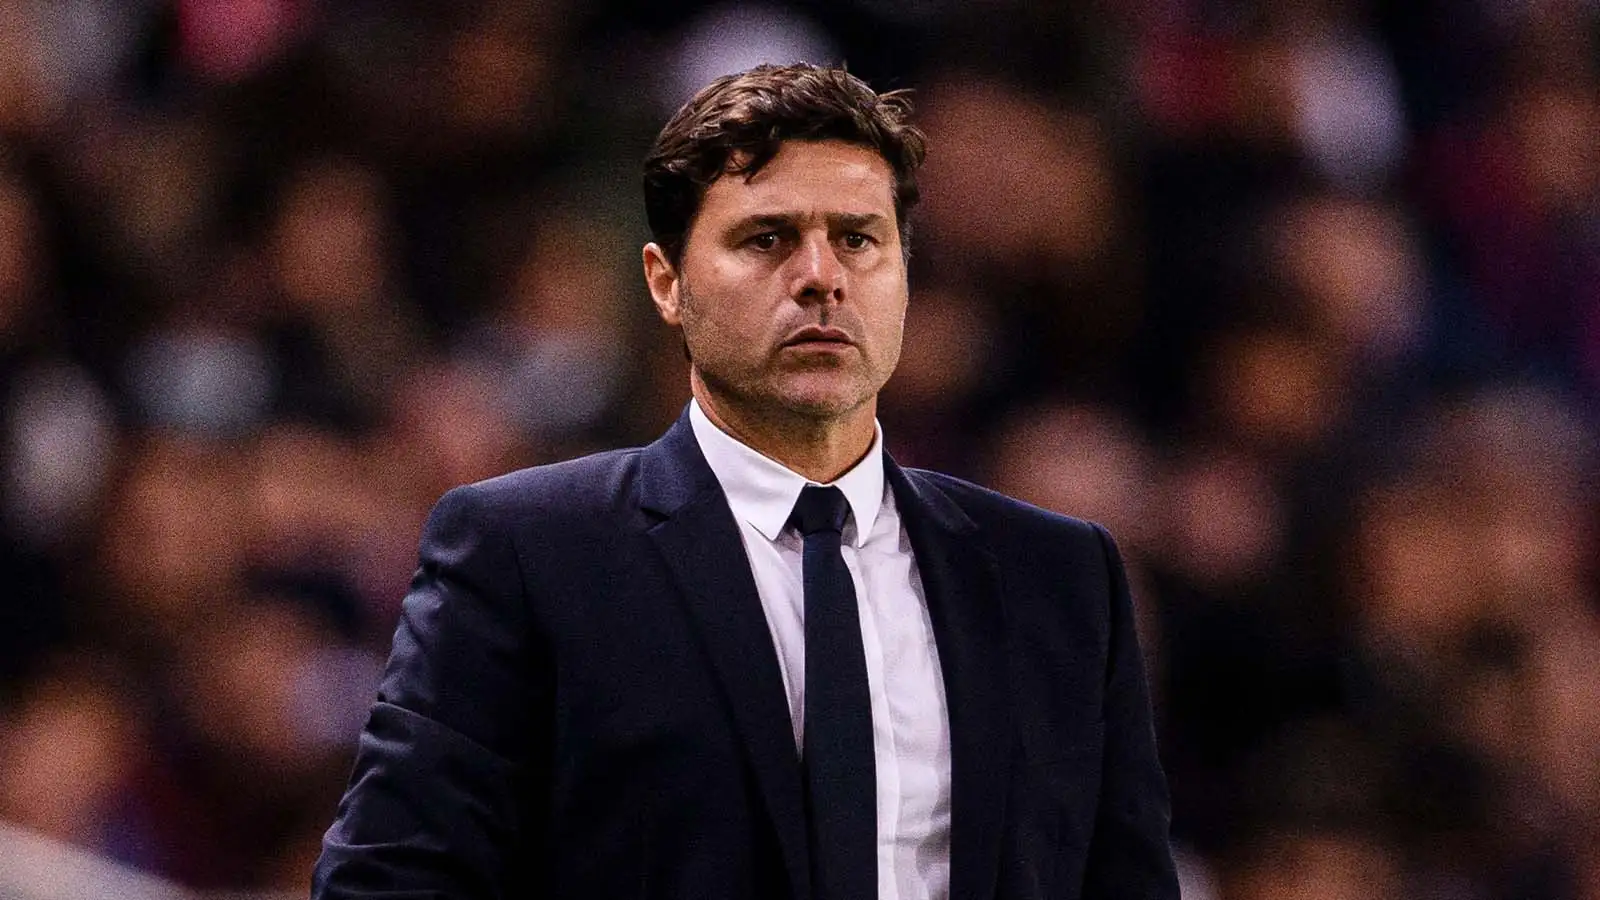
(584, 701)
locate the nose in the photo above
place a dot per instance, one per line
(818, 274)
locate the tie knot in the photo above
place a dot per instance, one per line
(819, 509)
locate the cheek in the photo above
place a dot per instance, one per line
(891, 354)
(715, 315)
(736, 297)
(890, 328)
(725, 323)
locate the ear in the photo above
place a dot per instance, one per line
(664, 283)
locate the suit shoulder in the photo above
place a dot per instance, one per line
(596, 483)
(991, 509)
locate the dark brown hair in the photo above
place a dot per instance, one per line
(737, 124)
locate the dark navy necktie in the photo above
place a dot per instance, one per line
(841, 781)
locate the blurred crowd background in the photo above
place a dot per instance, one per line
(1300, 297)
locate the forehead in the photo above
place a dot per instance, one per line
(807, 177)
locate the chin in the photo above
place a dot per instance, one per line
(817, 408)
(822, 401)
(818, 395)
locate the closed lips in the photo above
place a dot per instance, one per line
(826, 335)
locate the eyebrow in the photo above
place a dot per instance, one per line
(840, 221)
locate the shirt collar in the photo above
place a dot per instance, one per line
(762, 491)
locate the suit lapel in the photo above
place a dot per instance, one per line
(961, 582)
(700, 541)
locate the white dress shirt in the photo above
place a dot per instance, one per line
(910, 722)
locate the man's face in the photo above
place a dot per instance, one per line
(792, 287)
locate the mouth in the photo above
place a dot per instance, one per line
(817, 336)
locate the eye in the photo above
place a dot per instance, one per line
(855, 240)
(765, 240)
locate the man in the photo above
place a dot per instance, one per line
(757, 659)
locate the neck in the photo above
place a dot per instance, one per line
(821, 449)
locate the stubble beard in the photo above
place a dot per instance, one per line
(759, 391)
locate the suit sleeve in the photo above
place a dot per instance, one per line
(1130, 856)
(442, 768)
